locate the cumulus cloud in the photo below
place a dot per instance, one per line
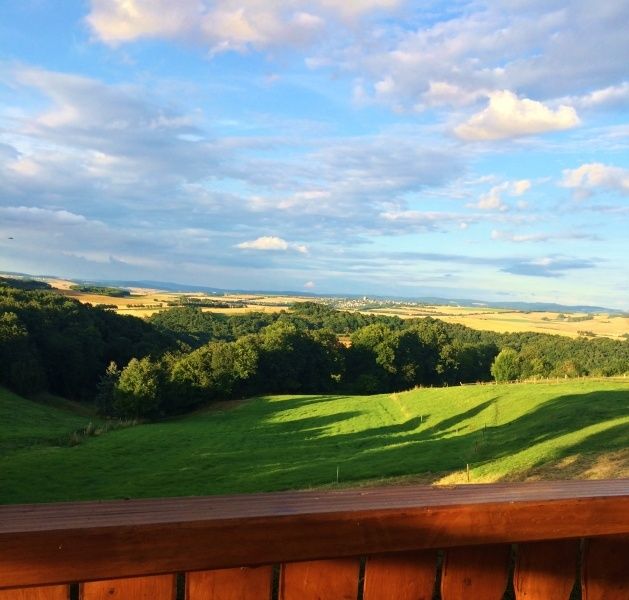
(267, 242)
(538, 49)
(271, 242)
(508, 116)
(223, 24)
(309, 285)
(493, 199)
(592, 177)
(520, 187)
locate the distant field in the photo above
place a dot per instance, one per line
(144, 303)
(503, 321)
(571, 429)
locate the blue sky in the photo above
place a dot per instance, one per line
(462, 149)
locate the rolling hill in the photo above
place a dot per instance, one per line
(566, 429)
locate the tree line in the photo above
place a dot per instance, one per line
(183, 358)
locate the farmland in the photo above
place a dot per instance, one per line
(146, 302)
(566, 429)
(573, 325)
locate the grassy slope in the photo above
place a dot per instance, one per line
(26, 424)
(503, 431)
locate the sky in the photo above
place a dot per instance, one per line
(466, 149)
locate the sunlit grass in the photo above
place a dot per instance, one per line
(288, 442)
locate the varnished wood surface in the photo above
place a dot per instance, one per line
(401, 576)
(19, 518)
(56, 592)
(242, 583)
(546, 570)
(62, 543)
(605, 570)
(161, 587)
(335, 579)
(472, 572)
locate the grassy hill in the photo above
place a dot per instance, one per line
(29, 425)
(511, 431)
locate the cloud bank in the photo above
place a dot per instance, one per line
(223, 24)
(508, 116)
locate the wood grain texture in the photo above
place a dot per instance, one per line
(475, 572)
(161, 587)
(242, 583)
(56, 592)
(605, 571)
(62, 543)
(546, 570)
(320, 580)
(401, 576)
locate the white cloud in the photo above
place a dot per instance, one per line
(271, 242)
(99, 149)
(613, 95)
(223, 24)
(32, 215)
(591, 177)
(508, 116)
(267, 242)
(520, 187)
(309, 285)
(493, 199)
(443, 92)
(357, 7)
(398, 220)
(539, 50)
(511, 236)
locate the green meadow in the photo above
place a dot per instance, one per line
(574, 428)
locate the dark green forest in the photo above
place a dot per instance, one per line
(183, 358)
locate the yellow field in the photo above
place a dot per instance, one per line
(146, 302)
(245, 309)
(504, 321)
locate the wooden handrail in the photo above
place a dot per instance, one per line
(80, 541)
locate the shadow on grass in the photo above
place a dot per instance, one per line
(406, 448)
(583, 460)
(446, 425)
(255, 448)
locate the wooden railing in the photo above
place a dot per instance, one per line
(535, 540)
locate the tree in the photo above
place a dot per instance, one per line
(371, 359)
(506, 366)
(282, 359)
(139, 389)
(106, 389)
(413, 362)
(20, 368)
